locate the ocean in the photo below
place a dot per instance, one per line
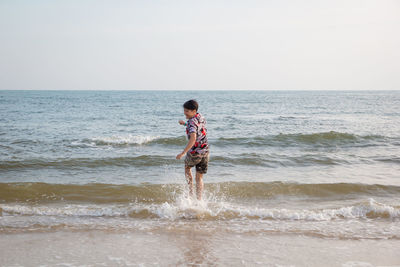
(303, 178)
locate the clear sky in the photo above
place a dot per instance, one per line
(271, 45)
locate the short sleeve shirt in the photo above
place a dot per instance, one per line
(197, 124)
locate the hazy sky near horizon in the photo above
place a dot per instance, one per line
(272, 45)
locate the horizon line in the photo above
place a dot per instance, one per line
(199, 89)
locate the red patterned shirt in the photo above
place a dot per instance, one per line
(197, 124)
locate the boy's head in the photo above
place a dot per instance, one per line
(190, 108)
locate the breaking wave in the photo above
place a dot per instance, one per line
(37, 192)
(184, 208)
(323, 139)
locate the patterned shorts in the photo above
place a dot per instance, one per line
(198, 160)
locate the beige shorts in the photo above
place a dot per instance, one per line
(198, 160)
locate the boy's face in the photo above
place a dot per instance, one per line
(189, 113)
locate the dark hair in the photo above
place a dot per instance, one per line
(191, 104)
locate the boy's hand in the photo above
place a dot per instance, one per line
(180, 155)
(181, 122)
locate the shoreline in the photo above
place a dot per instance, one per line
(194, 246)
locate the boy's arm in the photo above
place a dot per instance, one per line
(192, 140)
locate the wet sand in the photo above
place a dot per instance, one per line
(190, 248)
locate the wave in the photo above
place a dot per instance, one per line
(325, 139)
(389, 159)
(322, 138)
(37, 192)
(115, 140)
(331, 138)
(248, 159)
(71, 163)
(370, 209)
(254, 159)
(127, 140)
(184, 209)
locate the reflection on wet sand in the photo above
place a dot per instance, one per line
(196, 245)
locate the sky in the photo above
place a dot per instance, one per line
(200, 45)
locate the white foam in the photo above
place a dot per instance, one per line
(124, 139)
(115, 140)
(362, 210)
(67, 210)
(188, 207)
(184, 207)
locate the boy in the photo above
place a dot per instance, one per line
(197, 149)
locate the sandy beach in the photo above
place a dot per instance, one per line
(194, 248)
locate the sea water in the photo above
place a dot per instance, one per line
(286, 168)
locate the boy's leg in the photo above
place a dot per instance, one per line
(199, 185)
(189, 179)
(201, 169)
